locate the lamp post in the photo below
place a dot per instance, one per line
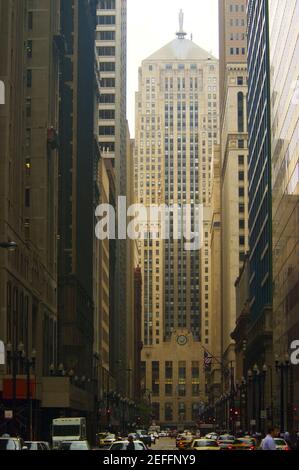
(13, 360)
(282, 369)
(250, 400)
(30, 364)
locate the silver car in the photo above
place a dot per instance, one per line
(122, 445)
(11, 443)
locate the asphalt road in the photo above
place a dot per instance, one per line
(164, 444)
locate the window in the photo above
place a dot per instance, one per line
(107, 4)
(106, 35)
(106, 130)
(106, 19)
(27, 197)
(108, 82)
(107, 98)
(30, 20)
(29, 49)
(107, 114)
(241, 160)
(168, 412)
(29, 78)
(168, 370)
(106, 51)
(240, 112)
(107, 67)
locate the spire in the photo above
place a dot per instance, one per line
(181, 34)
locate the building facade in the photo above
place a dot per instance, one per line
(234, 163)
(111, 46)
(259, 349)
(283, 17)
(176, 128)
(29, 201)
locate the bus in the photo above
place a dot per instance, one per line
(68, 429)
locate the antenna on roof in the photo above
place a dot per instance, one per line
(181, 34)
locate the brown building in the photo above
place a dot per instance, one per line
(28, 205)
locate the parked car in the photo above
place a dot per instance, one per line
(34, 445)
(204, 444)
(74, 445)
(122, 445)
(11, 443)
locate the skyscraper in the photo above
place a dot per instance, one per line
(234, 162)
(260, 193)
(28, 202)
(111, 47)
(176, 128)
(284, 29)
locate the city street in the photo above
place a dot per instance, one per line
(164, 444)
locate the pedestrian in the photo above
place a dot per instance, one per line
(131, 445)
(269, 443)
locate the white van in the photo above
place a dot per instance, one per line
(68, 429)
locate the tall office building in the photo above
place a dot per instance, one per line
(176, 128)
(232, 39)
(111, 46)
(259, 350)
(284, 29)
(78, 157)
(214, 378)
(234, 168)
(28, 204)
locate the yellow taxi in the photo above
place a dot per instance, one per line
(204, 444)
(185, 442)
(244, 443)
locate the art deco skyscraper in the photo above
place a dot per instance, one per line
(176, 128)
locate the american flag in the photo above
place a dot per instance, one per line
(207, 361)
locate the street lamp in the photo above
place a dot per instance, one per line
(283, 368)
(10, 246)
(14, 359)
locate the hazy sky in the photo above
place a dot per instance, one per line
(153, 23)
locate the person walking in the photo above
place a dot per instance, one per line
(269, 443)
(131, 445)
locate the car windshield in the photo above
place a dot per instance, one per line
(226, 438)
(8, 444)
(102, 436)
(245, 441)
(205, 444)
(280, 442)
(110, 436)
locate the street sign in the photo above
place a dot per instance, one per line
(8, 414)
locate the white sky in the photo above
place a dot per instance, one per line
(153, 23)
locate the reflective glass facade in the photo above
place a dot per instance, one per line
(284, 38)
(260, 201)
